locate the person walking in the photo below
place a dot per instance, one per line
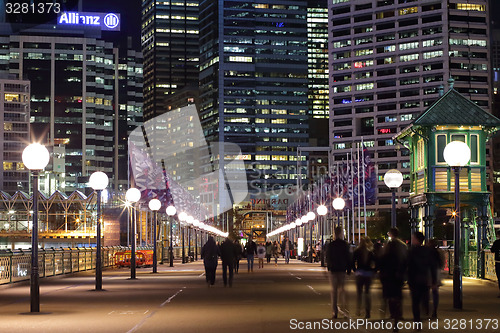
(364, 268)
(228, 256)
(261, 254)
(338, 258)
(495, 248)
(239, 255)
(393, 262)
(421, 274)
(251, 251)
(276, 252)
(269, 251)
(286, 247)
(209, 253)
(437, 257)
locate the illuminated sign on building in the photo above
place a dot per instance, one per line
(104, 21)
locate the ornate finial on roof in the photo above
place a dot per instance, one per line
(441, 90)
(451, 82)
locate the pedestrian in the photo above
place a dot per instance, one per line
(286, 248)
(318, 252)
(421, 274)
(209, 253)
(228, 255)
(251, 251)
(269, 251)
(495, 248)
(438, 261)
(239, 255)
(276, 252)
(393, 263)
(338, 258)
(364, 268)
(261, 254)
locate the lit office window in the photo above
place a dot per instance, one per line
(409, 10)
(470, 6)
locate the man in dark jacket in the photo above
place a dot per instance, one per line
(209, 253)
(393, 263)
(251, 251)
(422, 273)
(495, 248)
(286, 248)
(338, 258)
(228, 255)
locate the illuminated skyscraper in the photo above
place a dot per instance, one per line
(253, 83)
(388, 59)
(171, 52)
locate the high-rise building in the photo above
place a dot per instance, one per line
(388, 59)
(14, 134)
(253, 83)
(72, 100)
(171, 51)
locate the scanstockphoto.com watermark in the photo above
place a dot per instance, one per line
(383, 325)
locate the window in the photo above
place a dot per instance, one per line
(408, 46)
(470, 6)
(420, 154)
(474, 149)
(409, 57)
(434, 54)
(409, 10)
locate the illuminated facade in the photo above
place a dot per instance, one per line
(388, 59)
(317, 45)
(171, 51)
(253, 83)
(14, 115)
(72, 102)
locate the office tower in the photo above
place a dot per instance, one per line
(253, 84)
(171, 52)
(495, 65)
(72, 93)
(130, 109)
(14, 114)
(388, 59)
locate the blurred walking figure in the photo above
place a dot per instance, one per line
(269, 251)
(286, 248)
(364, 266)
(251, 251)
(421, 274)
(438, 262)
(338, 258)
(261, 254)
(276, 252)
(228, 255)
(209, 253)
(239, 255)
(495, 248)
(392, 274)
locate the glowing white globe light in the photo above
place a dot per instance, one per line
(393, 178)
(456, 154)
(154, 204)
(170, 210)
(304, 219)
(298, 220)
(98, 180)
(322, 210)
(35, 156)
(133, 195)
(298, 223)
(311, 216)
(338, 203)
(189, 219)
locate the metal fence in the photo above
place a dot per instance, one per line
(16, 265)
(469, 264)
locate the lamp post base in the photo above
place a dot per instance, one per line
(457, 287)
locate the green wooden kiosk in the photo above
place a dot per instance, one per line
(451, 118)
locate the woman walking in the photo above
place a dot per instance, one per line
(364, 268)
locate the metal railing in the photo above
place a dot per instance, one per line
(470, 262)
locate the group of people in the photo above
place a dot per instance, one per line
(230, 251)
(395, 263)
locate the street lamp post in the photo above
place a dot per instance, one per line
(322, 211)
(457, 154)
(98, 181)
(35, 157)
(171, 212)
(393, 179)
(132, 196)
(338, 204)
(154, 205)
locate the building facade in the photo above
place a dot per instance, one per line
(388, 60)
(14, 115)
(171, 51)
(253, 84)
